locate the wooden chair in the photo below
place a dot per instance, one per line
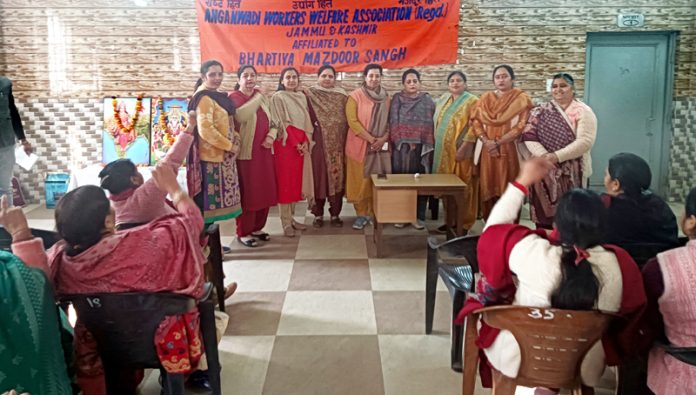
(553, 343)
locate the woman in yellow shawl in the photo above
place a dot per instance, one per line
(498, 120)
(454, 143)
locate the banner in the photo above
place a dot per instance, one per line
(348, 34)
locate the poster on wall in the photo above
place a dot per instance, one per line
(166, 129)
(126, 133)
(348, 34)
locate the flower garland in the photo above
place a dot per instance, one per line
(136, 116)
(163, 119)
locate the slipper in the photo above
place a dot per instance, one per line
(261, 236)
(250, 242)
(230, 290)
(318, 222)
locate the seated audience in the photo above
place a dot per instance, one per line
(569, 269)
(671, 312)
(137, 201)
(636, 215)
(31, 355)
(164, 255)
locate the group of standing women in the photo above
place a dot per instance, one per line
(252, 152)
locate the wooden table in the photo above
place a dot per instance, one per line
(395, 197)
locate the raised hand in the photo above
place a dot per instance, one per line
(191, 122)
(533, 171)
(14, 220)
(165, 179)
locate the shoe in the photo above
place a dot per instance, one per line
(298, 226)
(360, 223)
(261, 236)
(248, 241)
(199, 381)
(336, 222)
(442, 229)
(419, 225)
(226, 250)
(289, 231)
(399, 226)
(318, 222)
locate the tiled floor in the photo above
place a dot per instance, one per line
(319, 314)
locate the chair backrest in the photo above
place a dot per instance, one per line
(124, 324)
(460, 248)
(49, 238)
(553, 342)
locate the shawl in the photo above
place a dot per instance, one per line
(247, 128)
(163, 255)
(373, 114)
(496, 286)
(451, 129)
(411, 121)
(498, 111)
(194, 180)
(292, 109)
(548, 126)
(329, 107)
(31, 355)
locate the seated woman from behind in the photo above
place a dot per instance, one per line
(164, 255)
(671, 312)
(568, 270)
(636, 215)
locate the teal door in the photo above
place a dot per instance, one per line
(628, 84)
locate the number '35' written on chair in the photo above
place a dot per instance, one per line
(553, 343)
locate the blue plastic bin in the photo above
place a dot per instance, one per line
(56, 185)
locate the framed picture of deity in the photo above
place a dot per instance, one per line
(126, 132)
(166, 129)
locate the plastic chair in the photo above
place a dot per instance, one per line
(124, 326)
(49, 238)
(553, 343)
(455, 261)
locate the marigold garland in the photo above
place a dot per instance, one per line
(136, 116)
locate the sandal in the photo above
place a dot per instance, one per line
(250, 242)
(298, 226)
(230, 290)
(289, 231)
(318, 222)
(336, 222)
(263, 236)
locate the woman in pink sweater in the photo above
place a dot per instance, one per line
(671, 312)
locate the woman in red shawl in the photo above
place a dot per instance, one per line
(164, 255)
(290, 115)
(568, 270)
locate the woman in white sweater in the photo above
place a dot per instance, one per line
(568, 269)
(563, 131)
